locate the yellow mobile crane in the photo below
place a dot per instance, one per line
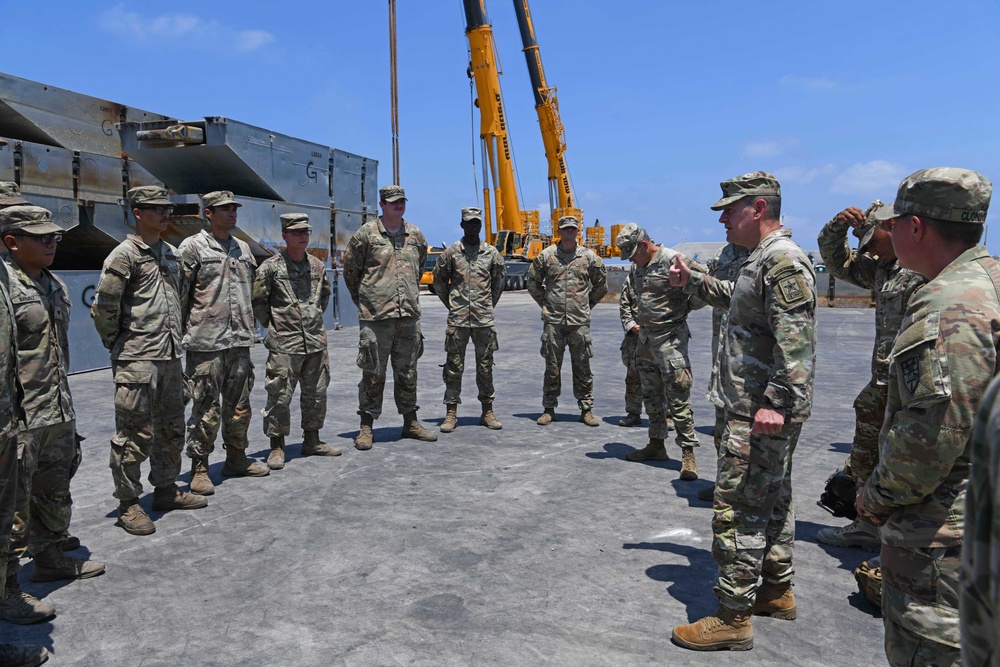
(561, 199)
(517, 234)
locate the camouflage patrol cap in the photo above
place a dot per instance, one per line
(568, 221)
(629, 238)
(758, 183)
(866, 231)
(391, 193)
(33, 220)
(148, 195)
(10, 194)
(219, 198)
(943, 193)
(470, 213)
(294, 221)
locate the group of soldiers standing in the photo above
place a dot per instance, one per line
(914, 451)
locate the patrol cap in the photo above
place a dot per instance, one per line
(629, 238)
(758, 183)
(470, 213)
(866, 231)
(148, 195)
(291, 222)
(33, 220)
(944, 193)
(568, 221)
(10, 194)
(391, 193)
(219, 198)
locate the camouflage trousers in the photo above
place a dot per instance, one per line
(869, 411)
(283, 373)
(753, 525)
(665, 375)
(48, 457)
(719, 428)
(396, 340)
(920, 598)
(221, 383)
(633, 384)
(149, 424)
(456, 340)
(555, 339)
(8, 498)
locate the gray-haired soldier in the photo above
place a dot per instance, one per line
(137, 314)
(468, 278)
(567, 280)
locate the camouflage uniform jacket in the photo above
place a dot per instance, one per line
(289, 299)
(136, 309)
(628, 304)
(941, 363)
(43, 346)
(980, 599)
(11, 413)
(384, 281)
(215, 299)
(662, 310)
(893, 286)
(726, 266)
(768, 357)
(567, 285)
(469, 280)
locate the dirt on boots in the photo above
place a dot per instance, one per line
(134, 519)
(547, 417)
(365, 437)
(588, 418)
(414, 430)
(238, 465)
(689, 467)
(313, 446)
(488, 419)
(276, 459)
(776, 601)
(172, 498)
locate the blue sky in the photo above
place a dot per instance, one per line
(660, 100)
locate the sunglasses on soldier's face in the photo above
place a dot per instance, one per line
(160, 210)
(299, 232)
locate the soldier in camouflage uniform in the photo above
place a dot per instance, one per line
(766, 370)
(979, 603)
(137, 314)
(872, 266)
(290, 293)
(662, 355)
(630, 344)
(11, 414)
(47, 444)
(724, 266)
(219, 330)
(382, 269)
(469, 278)
(942, 361)
(567, 280)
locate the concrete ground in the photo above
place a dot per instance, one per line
(526, 546)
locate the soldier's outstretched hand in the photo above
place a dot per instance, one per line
(679, 272)
(852, 216)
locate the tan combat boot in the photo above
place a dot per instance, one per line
(171, 498)
(547, 417)
(654, 451)
(689, 467)
(313, 446)
(200, 481)
(365, 437)
(52, 564)
(276, 459)
(238, 465)
(588, 418)
(727, 629)
(488, 419)
(708, 493)
(22, 608)
(631, 419)
(776, 601)
(412, 429)
(450, 419)
(27, 655)
(134, 519)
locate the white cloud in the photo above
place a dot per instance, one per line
(810, 82)
(869, 178)
(802, 175)
(195, 32)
